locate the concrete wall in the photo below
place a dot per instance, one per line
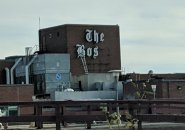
(97, 81)
(106, 79)
(85, 95)
(89, 81)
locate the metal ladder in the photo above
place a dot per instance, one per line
(84, 64)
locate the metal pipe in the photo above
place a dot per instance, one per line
(7, 75)
(27, 69)
(12, 69)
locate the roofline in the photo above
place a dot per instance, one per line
(65, 25)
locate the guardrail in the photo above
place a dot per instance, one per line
(89, 111)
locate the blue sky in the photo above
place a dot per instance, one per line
(152, 32)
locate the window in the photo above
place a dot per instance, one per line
(13, 110)
(50, 35)
(58, 34)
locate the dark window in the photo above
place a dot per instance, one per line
(80, 85)
(13, 112)
(58, 34)
(50, 35)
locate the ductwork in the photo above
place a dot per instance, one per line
(7, 75)
(12, 69)
(27, 68)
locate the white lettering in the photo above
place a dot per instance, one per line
(101, 37)
(89, 52)
(94, 36)
(95, 52)
(88, 35)
(80, 50)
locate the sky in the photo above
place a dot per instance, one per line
(152, 32)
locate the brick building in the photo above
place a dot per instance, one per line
(100, 45)
(16, 93)
(167, 85)
(86, 49)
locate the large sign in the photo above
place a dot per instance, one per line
(91, 36)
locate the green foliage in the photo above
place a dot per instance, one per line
(141, 90)
(130, 121)
(137, 94)
(112, 118)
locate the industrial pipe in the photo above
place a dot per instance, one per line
(12, 69)
(7, 75)
(27, 68)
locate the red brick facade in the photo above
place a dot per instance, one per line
(167, 85)
(64, 38)
(17, 93)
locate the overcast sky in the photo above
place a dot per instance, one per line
(152, 32)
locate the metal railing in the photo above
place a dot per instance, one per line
(89, 111)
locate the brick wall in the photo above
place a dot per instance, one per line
(17, 93)
(63, 39)
(168, 85)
